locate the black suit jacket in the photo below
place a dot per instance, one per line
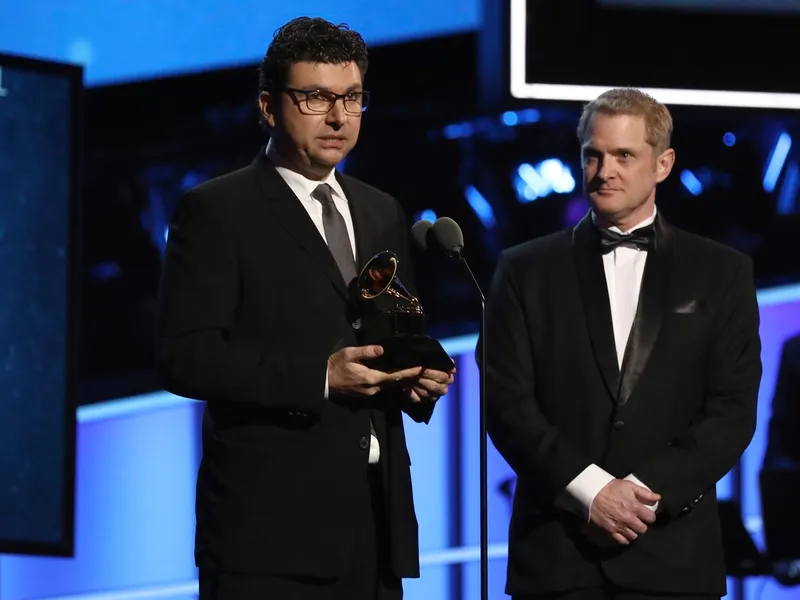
(678, 416)
(251, 306)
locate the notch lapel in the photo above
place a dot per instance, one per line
(653, 300)
(364, 223)
(596, 306)
(291, 215)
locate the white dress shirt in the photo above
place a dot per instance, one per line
(624, 269)
(303, 188)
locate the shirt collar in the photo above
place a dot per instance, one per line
(644, 223)
(299, 182)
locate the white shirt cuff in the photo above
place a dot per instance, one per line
(636, 480)
(326, 385)
(586, 486)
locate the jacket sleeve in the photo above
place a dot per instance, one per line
(199, 298)
(694, 462)
(531, 445)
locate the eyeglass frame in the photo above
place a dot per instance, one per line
(333, 98)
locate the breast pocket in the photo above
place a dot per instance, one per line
(685, 337)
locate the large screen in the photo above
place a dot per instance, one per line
(39, 110)
(703, 58)
(755, 6)
(123, 41)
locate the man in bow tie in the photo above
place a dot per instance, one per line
(623, 366)
(304, 489)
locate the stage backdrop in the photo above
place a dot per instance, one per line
(137, 460)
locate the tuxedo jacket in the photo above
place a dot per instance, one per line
(251, 306)
(678, 414)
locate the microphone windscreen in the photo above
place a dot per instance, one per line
(448, 234)
(419, 231)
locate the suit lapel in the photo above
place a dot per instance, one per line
(650, 311)
(289, 212)
(596, 306)
(364, 223)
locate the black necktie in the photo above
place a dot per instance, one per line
(338, 241)
(643, 238)
(336, 233)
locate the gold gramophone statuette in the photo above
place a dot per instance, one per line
(380, 277)
(392, 317)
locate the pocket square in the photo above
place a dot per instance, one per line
(687, 307)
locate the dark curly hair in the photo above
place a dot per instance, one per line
(313, 40)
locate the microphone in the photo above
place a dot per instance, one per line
(445, 235)
(449, 236)
(422, 233)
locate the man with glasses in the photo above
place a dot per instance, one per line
(304, 488)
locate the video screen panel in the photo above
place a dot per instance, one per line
(707, 50)
(39, 129)
(151, 38)
(724, 6)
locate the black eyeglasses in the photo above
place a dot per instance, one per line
(322, 101)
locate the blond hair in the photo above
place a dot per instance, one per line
(630, 101)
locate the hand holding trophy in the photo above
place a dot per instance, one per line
(390, 316)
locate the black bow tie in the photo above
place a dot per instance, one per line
(643, 239)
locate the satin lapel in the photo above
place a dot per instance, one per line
(364, 223)
(653, 304)
(596, 306)
(290, 214)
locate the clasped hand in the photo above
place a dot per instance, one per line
(347, 375)
(621, 512)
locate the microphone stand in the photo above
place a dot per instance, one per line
(484, 484)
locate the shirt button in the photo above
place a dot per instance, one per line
(619, 425)
(364, 443)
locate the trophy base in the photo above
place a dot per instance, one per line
(409, 351)
(405, 342)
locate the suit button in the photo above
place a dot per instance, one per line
(619, 425)
(364, 443)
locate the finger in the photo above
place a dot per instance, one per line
(620, 539)
(414, 395)
(633, 523)
(426, 394)
(411, 373)
(647, 515)
(440, 376)
(629, 534)
(432, 387)
(437, 376)
(364, 352)
(375, 377)
(646, 496)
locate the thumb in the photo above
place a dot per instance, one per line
(367, 352)
(646, 495)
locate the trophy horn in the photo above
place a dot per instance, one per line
(379, 276)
